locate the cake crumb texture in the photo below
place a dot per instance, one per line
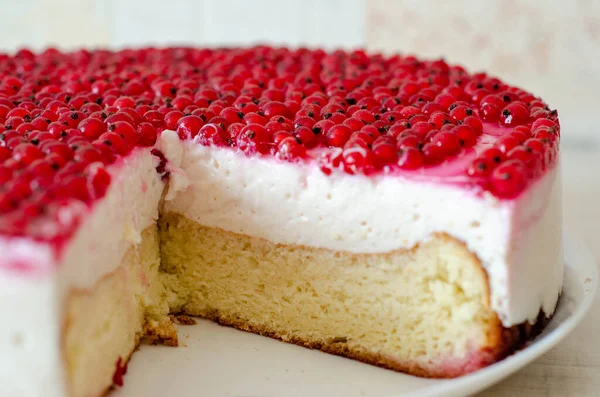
(424, 311)
(182, 319)
(108, 322)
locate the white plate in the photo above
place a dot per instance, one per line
(220, 361)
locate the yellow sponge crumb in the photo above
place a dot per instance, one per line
(410, 310)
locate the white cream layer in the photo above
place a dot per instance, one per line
(31, 361)
(518, 241)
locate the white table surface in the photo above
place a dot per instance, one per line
(572, 369)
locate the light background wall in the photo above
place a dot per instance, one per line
(72, 23)
(551, 47)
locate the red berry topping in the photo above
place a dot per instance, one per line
(507, 143)
(481, 167)
(125, 130)
(516, 113)
(255, 118)
(474, 123)
(290, 149)
(116, 142)
(5, 153)
(274, 108)
(100, 180)
(461, 112)
(92, 128)
(408, 141)
(358, 159)
(146, 134)
(385, 153)
(448, 142)
(465, 135)
(254, 138)
(433, 153)
(212, 135)
(172, 118)
(66, 117)
(410, 159)
(338, 135)
(188, 126)
(543, 123)
(490, 112)
(508, 179)
(306, 137)
(322, 126)
(494, 154)
(365, 116)
(280, 136)
(26, 153)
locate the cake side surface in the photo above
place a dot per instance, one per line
(30, 354)
(536, 249)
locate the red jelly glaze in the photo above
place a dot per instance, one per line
(66, 117)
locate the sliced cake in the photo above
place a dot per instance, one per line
(400, 212)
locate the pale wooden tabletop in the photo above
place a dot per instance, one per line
(572, 369)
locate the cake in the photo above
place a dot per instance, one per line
(400, 212)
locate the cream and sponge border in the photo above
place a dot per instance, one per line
(517, 241)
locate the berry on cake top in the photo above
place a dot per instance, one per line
(66, 116)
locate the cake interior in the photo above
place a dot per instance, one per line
(104, 325)
(423, 311)
(125, 176)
